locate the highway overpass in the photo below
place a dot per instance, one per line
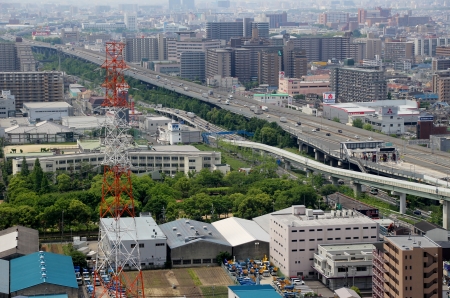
(326, 142)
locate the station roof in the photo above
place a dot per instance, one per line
(238, 231)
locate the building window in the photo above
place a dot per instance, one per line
(187, 262)
(301, 230)
(206, 261)
(311, 230)
(329, 238)
(293, 231)
(141, 245)
(160, 244)
(295, 240)
(176, 262)
(365, 228)
(197, 261)
(133, 245)
(312, 240)
(355, 237)
(319, 230)
(294, 250)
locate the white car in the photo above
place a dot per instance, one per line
(296, 282)
(370, 138)
(357, 137)
(268, 116)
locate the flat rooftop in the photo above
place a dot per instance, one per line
(407, 242)
(322, 220)
(341, 247)
(146, 228)
(54, 104)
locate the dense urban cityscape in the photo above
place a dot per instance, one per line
(225, 148)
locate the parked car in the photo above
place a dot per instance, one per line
(328, 134)
(374, 191)
(339, 130)
(417, 212)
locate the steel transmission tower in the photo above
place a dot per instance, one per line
(117, 218)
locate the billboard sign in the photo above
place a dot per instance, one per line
(281, 75)
(388, 111)
(426, 118)
(329, 97)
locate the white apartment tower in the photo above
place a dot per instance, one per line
(130, 20)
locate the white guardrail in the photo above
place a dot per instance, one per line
(431, 192)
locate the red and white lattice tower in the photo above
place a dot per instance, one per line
(117, 218)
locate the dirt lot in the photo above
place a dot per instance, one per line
(53, 247)
(37, 148)
(192, 282)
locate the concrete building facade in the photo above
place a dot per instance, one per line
(295, 236)
(398, 51)
(343, 265)
(43, 111)
(175, 133)
(224, 30)
(137, 49)
(294, 86)
(7, 104)
(269, 67)
(192, 66)
(398, 273)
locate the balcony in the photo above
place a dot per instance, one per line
(431, 278)
(430, 268)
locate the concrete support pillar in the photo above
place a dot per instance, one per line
(287, 165)
(357, 189)
(446, 214)
(333, 162)
(308, 173)
(334, 180)
(339, 163)
(300, 146)
(402, 203)
(316, 155)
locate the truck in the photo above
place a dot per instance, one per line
(258, 111)
(283, 119)
(190, 115)
(227, 102)
(210, 92)
(230, 96)
(186, 88)
(264, 108)
(205, 95)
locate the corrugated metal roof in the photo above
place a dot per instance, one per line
(264, 220)
(185, 233)
(26, 271)
(4, 277)
(146, 228)
(239, 231)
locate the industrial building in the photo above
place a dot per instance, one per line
(294, 236)
(407, 266)
(43, 273)
(152, 241)
(246, 237)
(39, 133)
(342, 265)
(176, 133)
(165, 159)
(426, 127)
(193, 243)
(33, 86)
(18, 241)
(4, 279)
(358, 84)
(44, 111)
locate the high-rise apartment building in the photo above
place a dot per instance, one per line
(262, 27)
(162, 48)
(427, 46)
(373, 48)
(137, 49)
(38, 86)
(440, 64)
(358, 84)
(241, 62)
(398, 51)
(175, 48)
(324, 48)
(174, 4)
(224, 30)
(130, 20)
(269, 65)
(188, 4)
(441, 85)
(294, 61)
(16, 57)
(218, 62)
(407, 266)
(275, 19)
(333, 17)
(247, 27)
(192, 66)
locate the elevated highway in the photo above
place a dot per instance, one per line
(326, 142)
(396, 186)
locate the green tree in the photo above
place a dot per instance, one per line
(328, 189)
(336, 119)
(64, 182)
(24, 171)
(356, 33)
(36, 175)
(389, 95)
(78, 258)
(45, 185)
(222, 256)
(358, 123)
(356, 289)
(367, 126)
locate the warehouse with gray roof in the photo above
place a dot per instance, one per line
(193, 243)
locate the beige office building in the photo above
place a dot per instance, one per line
(373, 48)
(269, 66)
(398, 51)
(407, 266)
